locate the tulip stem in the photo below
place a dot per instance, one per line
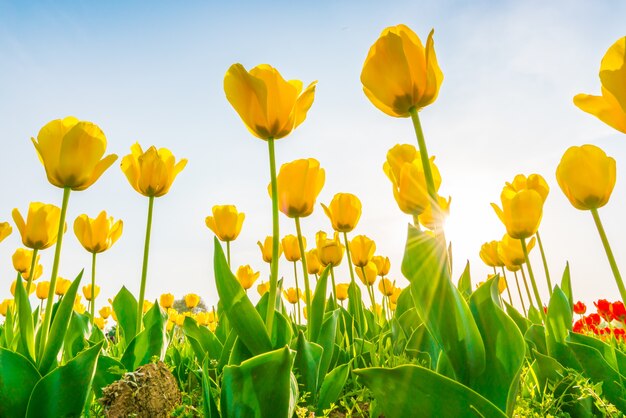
(345, 240)
(609, 253)
(55, 270)
(93, 288)
(31, 272)
(421, 142)
(369, 289)
(305, 271)
(519, 291)
(532, 279)
(545, 262)
(332, 278)
(530, 298)
(508, 291)
(269, 318)
(228, 253)
(385, 296)
(295, 275)
(144, 268)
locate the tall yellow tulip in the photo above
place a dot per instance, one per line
(521, 212)
(330, 251)
(166, 300)
(97, 234)
(40, 229)
(42, 290)
(299, 183)
(362, 250)
(344, 212)
(246, 276)
(399, 73)
(383, 265)
(226, 222)
(291, 248)
(610, 108)
(313, 262)
(22, 261)
(434, 220)
(267, 251)
(489, 254)
(5, 230)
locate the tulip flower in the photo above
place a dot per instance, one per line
(580, 308)
(434, 220)
(489, 254)
(263, 288)
(343, 211)
(42, 290)
(292, 295)
(382, 265)
(40, 229)
(6, 305)
(147, 305)
(5, 230)
(330, 251)
(393, 299)
(98, 234)
(299, 183)
(511, 253)
(246, 276)
(521, 212)
(386, 287)
(610, 108)
(313, 262)
(399, 73)
(341, 290)
(367, 274)
(226, 224)
(100, 322)
(91, 292)
(266, 249)
(166, 300)
(191, 300)
(62, 286)
(105, 312)
(79, 307)
(362, 250)
(291, 248)
(22, 260)
(14, 284)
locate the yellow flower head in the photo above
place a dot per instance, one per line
(511, 253)
(39, 231)
(344, 212)
(151, 173)
(105, 312)
(22, 259)
(226, 222)
(489, 254)
(62, 286)
(246, 276)
(405, 171)
(100, 322)
(313, 264)
(382, 264)
(42, 290)
(5, 230)
(202, 318)
(330, 251)
(367, 274)
(98, 234)
(362, 250)
(79, 307)
(71, 151)
(291, 249)
(501, 284)
(268, 105)
(147, 305)
(298, 184)
(341, 290)
(6, 305)
(192, 300)
(396, 294)
(263, 288)
(385, 286)
(292, 295)
(610, 108)
(90, 293)
(432, 221)
(25, 284)
(521, 212)
(166, 300)
(266, 249)
(586, 176)
(399, 73)
(534, 182)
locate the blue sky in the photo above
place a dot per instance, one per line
(152, 72)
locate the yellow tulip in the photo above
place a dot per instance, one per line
(62, 286)
(292, 295)
(266, 249)
(263, 288)
(100, 322)
(169, 326)
(5, 230)
(105, 312)
(534, 182)
(367, 274)
(405, 171)
(180, 319)
(489, 254)
(343, 211)
(396, 294)
(172, 314)
(501, 284)
(382, 264)
(71, 152)
(298, 183)
(268, 105)
(78, 305)
(192, 300)
(330, 251)
(246, 276)
(151, 173)
(313, 265)
(521, 212)
(610, 108)
(362, 250)
(202, 318)
(399, 73)
(586, 176)
(226, 222)
(22, 259)
(6, 306)
(166, 300)
(385, 287)
(42, 290)
(341, 290)
(212, 316)
(511, 253)
(98, 234)
(291, 249)
(432, 221)
(14, 284)
(40, 229)
(90, 293)
(147, 305)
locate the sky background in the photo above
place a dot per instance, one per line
(153, 72)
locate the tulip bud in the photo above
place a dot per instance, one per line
(226, 222)
(246, 276)
(298, 183)
(105, 312)
(362, 250)
(62, 286)
(191, 300)
(89, 294)
(382, 265)
(341, 290)
(313, 262)
(42, 290)
(330, 251)
(291, 248)
(266, 249)
(166, 300)
(344, 212)
(367, 274)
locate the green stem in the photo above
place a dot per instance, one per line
(345, 240)
(508, 291)
(228, 253)
(519, 291)
(31, 272)
(332, 278)
(421, 142)
(144, 268)
(45, 328)
(532, 279)
(269, 318)
(545, 262)
(305, 271)
(369, 289)
(295, 275)
(93, 288)
(609, 254)
(385, 297)
(530, 298)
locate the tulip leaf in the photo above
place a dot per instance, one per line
(405, 302)
(243, 318)
(420, 341)
(108, 370)
(355, 308)
(546, 369)
(520, 320)
(615, 358)
(413, 391)
(566, 285)
(558, 327)
(282, 331)
(63, 392)
(75, 341)
(25, 320)
(202, 340)
(209, 408)
(260, 387)
(307, 363)
(465, 282)
(18, 377)
(318, 306)
(326, 340)
(535, 336)
(504, 348)
(58, 329)
(125, 307)
(151, 342)
(332, 386)
(441, 306)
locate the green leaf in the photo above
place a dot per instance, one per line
(420, 341)
(615, 358)
(504, 348)
(558, 327)
(355, 308)
(413, 391)
(566, 285)
(326, 340)
(440, 305)
(535, 336)
(547, 369)
(202, 340)
(332, 386)
(243, 318)
(282, 331)
(63, 392)
(151, 342)
(307, 363)
(405, 302)
(108, 370)
(318, 306)
(465, 282)
(209, 407)
(60, 323)
(18, 377)
(534, 315)
(260, 387)
(125, 307)
(25, 320)
(519, 319)
(75, 341)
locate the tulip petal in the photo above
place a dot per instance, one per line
(81, 149)
(98, 170)
(613, 72)
(248, 96)
(603, 108)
